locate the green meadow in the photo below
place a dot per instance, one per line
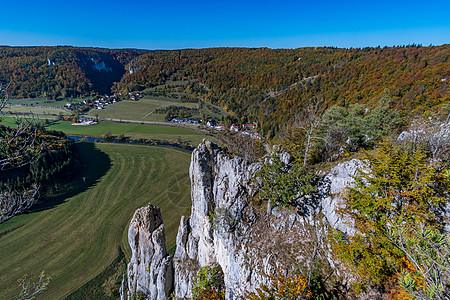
(142, 110)
(33, 110)
(74, 237)
(145, 109)
(46, 101)
(135, 131)
(11, 120)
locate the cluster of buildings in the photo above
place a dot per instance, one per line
(247, 129)
(89, 104)
(102, 102)
(134, 96)
(185, 121)
(84, 122)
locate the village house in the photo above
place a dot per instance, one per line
(234, 128)
(176, 120)
(211, 123)
(193, 121)
(249, 127)
(220, 127)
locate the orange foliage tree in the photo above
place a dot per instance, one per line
(282, 288)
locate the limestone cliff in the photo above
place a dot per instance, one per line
(226, 229)
(150, 270)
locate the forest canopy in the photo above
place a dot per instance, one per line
(269, 86)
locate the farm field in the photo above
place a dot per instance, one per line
(145, 109)
(35, 110)
(142, 110)
(10, 120)
(135, 131)
(46, 101)
(76, 238)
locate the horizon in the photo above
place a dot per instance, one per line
(243, 47)
(150, 25)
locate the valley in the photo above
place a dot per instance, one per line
(289, 130)
(78, 236)
(134, 131)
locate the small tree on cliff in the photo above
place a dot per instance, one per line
(282, 184)
(209, 284)
(300, 137)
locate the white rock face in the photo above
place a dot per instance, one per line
(100, 66)
(150, 270)
(339, 178)
(213, 233)
(226, 229)
(133, 66)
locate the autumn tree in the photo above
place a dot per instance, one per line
(251, 149)
(381, 121)
(209, 284)
(394, 206)
(282, 287)
(427, 256)
(351, 128)
(283, 184)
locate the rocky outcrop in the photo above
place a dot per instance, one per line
(220, 219)
(334, 183)
(227, 230)
(150, 270)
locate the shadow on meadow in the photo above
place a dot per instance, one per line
(93, 164)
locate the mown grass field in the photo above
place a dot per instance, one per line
(46, 101)
(35, 110)
(145, 109)
(76, 238)
(142, 110)
(135, 131)
(11, 120)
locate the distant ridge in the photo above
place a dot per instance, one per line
(262, 85)
(269, 86)
(62, 70)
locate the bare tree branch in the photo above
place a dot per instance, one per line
(309, 121)
(19, 146)
(31, 290)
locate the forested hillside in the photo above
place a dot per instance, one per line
(269, 86)
(61, 71)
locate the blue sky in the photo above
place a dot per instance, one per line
(198, 24)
